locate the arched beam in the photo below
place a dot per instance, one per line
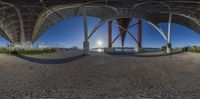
(53, 9)
(159, 29)
(102, 22)
(143, 15)
(127, 32)
(182, 1)
(139, 4)
(20, 19)
(10, 30)
(6, 36)
(3, 19)
(168, 38)
(192, 19)
(41, 18)
(9, 24)
(6, 7)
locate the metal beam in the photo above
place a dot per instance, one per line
(95, 29)
(20, 19)
(9, 24)
(102, 22)
(110, 34)
(6, 36)
(149, 2)
(126, 30)
(116, 38)
(12, 29)
(134, 8)
(48, 12)
(168, 37)
(140, 33)
(3, 19)
(133, 37)
(3, 8)
(53, 9)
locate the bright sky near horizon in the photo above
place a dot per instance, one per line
(68, 33)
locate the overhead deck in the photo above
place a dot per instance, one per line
(27, 20)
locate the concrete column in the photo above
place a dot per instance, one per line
(169, 34)
(86, 47)
(169, 48)
(86, 42)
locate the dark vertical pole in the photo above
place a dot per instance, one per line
(140, 33)
(110, 34)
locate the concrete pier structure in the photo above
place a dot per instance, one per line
(23, 20)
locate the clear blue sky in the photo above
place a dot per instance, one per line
(68, 33)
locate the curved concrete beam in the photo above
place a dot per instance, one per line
(3, 19)
(53, 9)
(102, 22)
(22, 38)
(158, 29)
(139, 4)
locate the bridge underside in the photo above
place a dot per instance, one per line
(27, 20)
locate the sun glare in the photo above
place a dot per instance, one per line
(99, 43)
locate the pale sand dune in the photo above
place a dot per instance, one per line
(100, 76)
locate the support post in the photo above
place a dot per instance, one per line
(140, 33)
(139, 43)
(110, 34)
(169, 34)
(86, 42)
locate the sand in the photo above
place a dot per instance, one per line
(70, 75)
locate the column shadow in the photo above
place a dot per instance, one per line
(158, 55)
(145, 56)
(52, 61)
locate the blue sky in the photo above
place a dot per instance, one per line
(68, 33)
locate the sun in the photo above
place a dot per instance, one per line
(99, 43)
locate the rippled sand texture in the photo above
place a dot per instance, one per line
(100, 76)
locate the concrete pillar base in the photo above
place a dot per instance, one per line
(109, 50)
(86, 47)
(138, 49)
(168, 48)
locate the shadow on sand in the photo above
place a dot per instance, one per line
(77, 57)
(147, 55)
(52, 61)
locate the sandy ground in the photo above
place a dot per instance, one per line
(100, 76)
